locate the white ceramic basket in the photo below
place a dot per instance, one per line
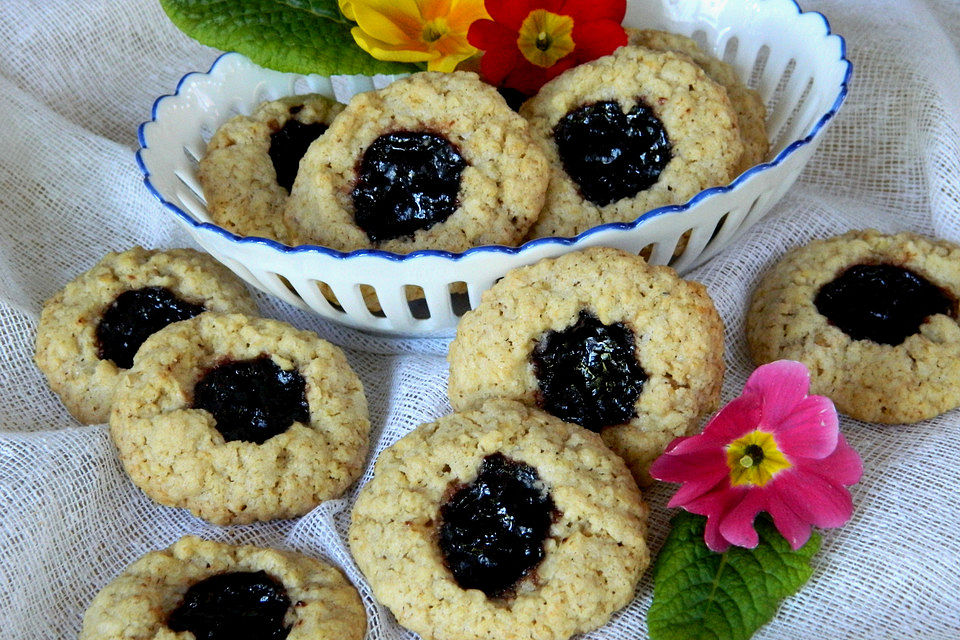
(790, 57)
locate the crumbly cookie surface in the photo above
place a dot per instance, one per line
(751, 112)
(912, 381)
(67, 350)
(175, 454)
(677, 332)
(501, 188)
(694, 110)
(594, 555)
(237, 175)
(138, 602)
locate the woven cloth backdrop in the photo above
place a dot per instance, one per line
(77, 77)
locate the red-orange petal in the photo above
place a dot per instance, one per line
(588, 11)
(597, 39)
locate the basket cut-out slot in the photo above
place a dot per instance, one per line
(193, 155)
(301, 86)
(730, 51)
(273, 284)
(784, 95)
(416, 302)
(662, 252)
(799, 120)
(686, 254)
(371, 299)
(189, 180)
(459, 298)
(759, 66)
(318, 295)
(194, 206)
(207, 130)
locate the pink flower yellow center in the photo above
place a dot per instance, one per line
(545, 37)
(755, 459)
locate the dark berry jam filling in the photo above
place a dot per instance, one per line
(884, 303)
(588, 373)
(252, 400)
(513, 97)
(244, 605)
(492, 530)
(287, 146)
(406, 181)
(610, 154)
(136, 315)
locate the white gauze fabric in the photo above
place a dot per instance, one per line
(76, 78)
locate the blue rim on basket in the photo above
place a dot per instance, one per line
(397, 257)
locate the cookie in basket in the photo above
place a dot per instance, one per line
(627, 133)
(215, 591)
(432, 161)
(751, 112)
(503, 522)
(873, 316)
(240, 419)
(251, 163)
(599, 338)
(90, 331)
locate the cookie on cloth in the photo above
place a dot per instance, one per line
(627, 133)
(214, 591)
(432, 161)
(251, 163)
(503, 522)
(874, 318)
(240, 419)
(599, 338)
(90, 331)
(751, 112)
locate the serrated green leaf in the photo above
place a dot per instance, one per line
(702, 595)
(300, 36)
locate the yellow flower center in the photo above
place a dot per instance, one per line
(545, 37)
(755, 459)
(434, 30)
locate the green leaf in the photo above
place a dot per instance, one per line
(301, 36)
(702, 595)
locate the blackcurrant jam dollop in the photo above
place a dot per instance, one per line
(287, 146)
(406, 181)
(252, 400)
(243, 605)
(588, 373)
(610, 154)
(136, 315)
(885, 303)
(492, 530)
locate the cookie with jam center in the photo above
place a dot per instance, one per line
(601, 339)
(751, 112)
(240, 419)
(432, 161)
(873, 316)
(90, 331)
(627, 133)
(251, 163)
(218, 591)
(502, 522)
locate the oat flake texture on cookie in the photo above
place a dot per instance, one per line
(178, 457)
(916, 379)
(593, 555)
(677, 336)
(694, 111)
(67, 345)
(137, 604)
(500, 190)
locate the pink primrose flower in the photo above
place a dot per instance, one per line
(773, 449)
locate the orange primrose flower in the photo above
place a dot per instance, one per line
(431, 31)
